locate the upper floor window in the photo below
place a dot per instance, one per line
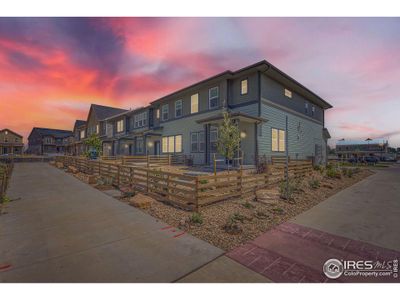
(194, 103)
(178, 108)
(158, 113)
(82, 134)
(243, 87)
(165, 109)
(140, 120)
(288, 93)
(306, 107)
(278, 140)
(120, 125)
(313, 110)
(213, 95)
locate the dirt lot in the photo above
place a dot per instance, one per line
(247, 220)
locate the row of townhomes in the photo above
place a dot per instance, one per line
(258, 97)
(10, 142)
(47, 141)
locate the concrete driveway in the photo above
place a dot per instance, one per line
(361, 222)
(63, 230)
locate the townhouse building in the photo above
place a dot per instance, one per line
(258, 98)
(48, 141)
(10, 142)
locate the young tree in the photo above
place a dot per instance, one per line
(228, 138)
(94, 143)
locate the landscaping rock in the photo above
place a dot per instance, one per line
(141, 201)
(59, 165)
(72, 169)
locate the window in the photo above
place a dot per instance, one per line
(178, 108)
(82, 134)
(194, 142)
(213, 95)
(165, 112)
(288, 93)
(120, 125)
(194, 103)
(97, 128)
(158, 113)
(306, 107)
(178, 143)
(243, 87)
(140, 120)
(172, 144)
(213, 140)
(139, 145)
(278, 140)
(313, 110)
(197, 142)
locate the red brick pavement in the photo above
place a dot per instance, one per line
(294, 253)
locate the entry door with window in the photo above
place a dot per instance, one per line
(157, 148)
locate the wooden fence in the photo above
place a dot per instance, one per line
(5, 175)
(186, 191)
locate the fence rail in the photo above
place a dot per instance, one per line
(186, 191)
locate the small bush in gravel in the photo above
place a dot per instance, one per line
(248, 205)
(278, 210)
(333, 173)
(196, 218)
(231, 226)
(238, 217)
(286, 191)
(314, 183)
(347, 172)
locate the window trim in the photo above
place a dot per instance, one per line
(278, 140)
(209, 97)
(288, 93)
(181, 103)
(162, 112)
(191, 104)
(167, 137)
(306, 107)
(247, 86)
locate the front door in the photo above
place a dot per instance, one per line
(157, 148)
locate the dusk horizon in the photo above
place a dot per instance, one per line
(53, 69)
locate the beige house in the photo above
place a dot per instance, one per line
(10, 142)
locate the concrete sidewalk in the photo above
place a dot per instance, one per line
(63, 230)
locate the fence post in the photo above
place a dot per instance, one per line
(240, 182)
(196, 194)
(118, 175)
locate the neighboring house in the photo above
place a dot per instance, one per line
(46, 141)
(258, 98)
(359, 148)
(79, 133)
(10, 142)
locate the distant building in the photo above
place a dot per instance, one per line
(10, 142)
(358, 148)
(47, 141)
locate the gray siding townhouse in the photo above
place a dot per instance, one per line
(258, 98)
(79, 133)
(47, 141)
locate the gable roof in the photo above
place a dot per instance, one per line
(57, 133)
(13, 132)
(266, 68)
(102, 112)
(79, 123)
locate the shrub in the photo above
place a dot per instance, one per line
(314, 183)
(203, 181)
(333, 173)
(347, 172)
(238, 217)
(247, 204)
(231, 226)
(4, 201)
(286, 191)
(196, 218)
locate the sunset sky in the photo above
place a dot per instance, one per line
(51, 69)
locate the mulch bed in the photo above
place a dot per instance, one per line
(255, 217)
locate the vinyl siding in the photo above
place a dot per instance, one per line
(303, 134)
